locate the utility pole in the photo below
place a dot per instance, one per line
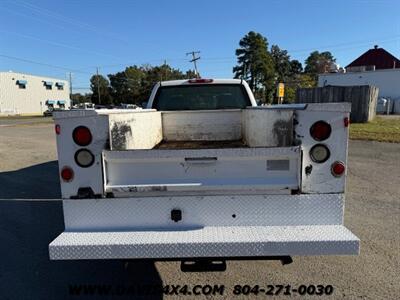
(70, 84)
(193, 60)
(165, 70)
(98, 84)
(71, 103)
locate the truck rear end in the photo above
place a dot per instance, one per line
(225, 179)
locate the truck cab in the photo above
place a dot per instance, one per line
(201, 94)
(203, 173)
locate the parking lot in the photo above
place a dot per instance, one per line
(28, 169)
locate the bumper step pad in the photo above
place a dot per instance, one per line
(228, 241)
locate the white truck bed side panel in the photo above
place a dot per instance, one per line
(76, 113)
(320, 179)
(330, 107)
(66, 148)
(132, 130)
(267, 127)
(202, 125)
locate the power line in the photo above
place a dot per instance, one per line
(341, 46)
(346, 45)
(56, 43)
(228, 59)
(42, 64)
(132, 63)
(54, 15)
(36, 19)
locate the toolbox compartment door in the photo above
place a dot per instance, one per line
(242, 170)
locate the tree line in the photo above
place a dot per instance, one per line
(263, 67)
(132, 85)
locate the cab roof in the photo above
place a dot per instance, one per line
(210, 81)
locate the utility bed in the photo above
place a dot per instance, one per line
(254, 182)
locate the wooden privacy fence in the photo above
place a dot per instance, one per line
(363, 99)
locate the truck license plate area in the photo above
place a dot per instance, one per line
(243, 170)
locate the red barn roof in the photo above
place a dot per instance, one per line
(377, 57)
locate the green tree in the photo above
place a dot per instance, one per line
(98, 83)
(287, 71)
(154, 74)
(318, 62)
(255, 64)
(162, 73)
(297, 81)
(77, 98)
(190, 74)
(296, 68)
(127, 86)
(134, 84)
(282, 64)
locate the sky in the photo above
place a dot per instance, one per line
(54, 38)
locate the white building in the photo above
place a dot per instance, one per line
(387, 80)
(375, 67)
(25, 94)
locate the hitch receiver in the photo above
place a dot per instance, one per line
(219, 265)
(203, 265)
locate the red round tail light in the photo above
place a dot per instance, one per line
(346, 122)
(320, 131)
(82, 136)
(338, 168)
(67, 174)
(57, 129)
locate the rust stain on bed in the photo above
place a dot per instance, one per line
(120, 132)
(283, 131)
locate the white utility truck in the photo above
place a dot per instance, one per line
(201, 176)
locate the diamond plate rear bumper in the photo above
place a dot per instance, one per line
(221, 241)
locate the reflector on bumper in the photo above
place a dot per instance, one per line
(227, 241)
